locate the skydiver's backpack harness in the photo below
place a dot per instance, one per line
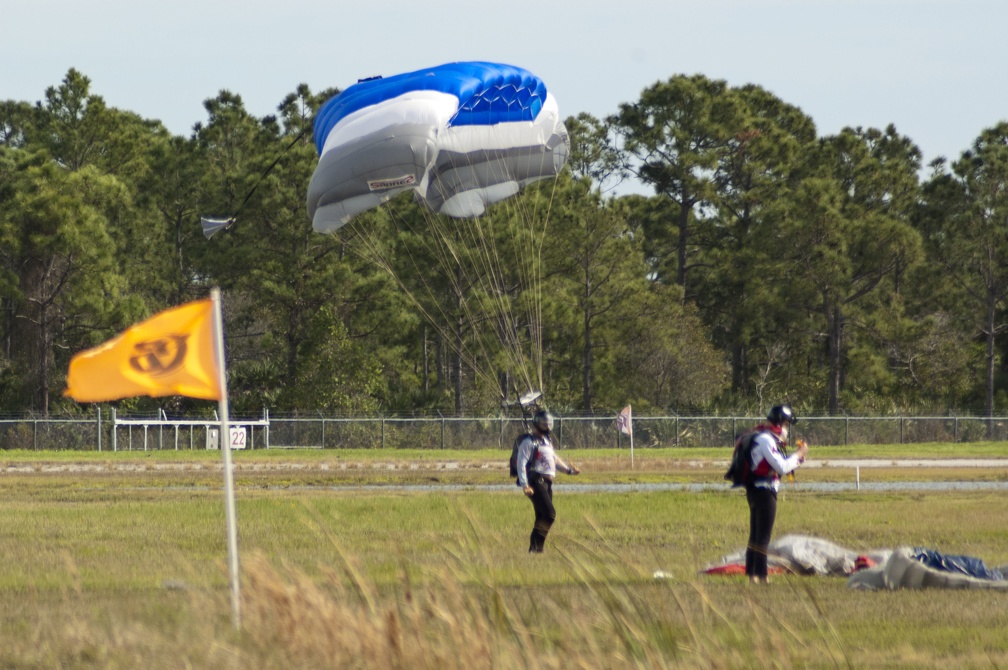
(740, 468)
(514, 453)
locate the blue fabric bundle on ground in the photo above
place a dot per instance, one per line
(966, 565)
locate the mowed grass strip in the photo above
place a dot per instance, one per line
(126, 566)
(308, 467)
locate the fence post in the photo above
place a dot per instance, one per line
(98, 411)
(35, 435)
(114, 429)
(846, 431)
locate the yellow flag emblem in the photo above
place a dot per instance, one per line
(172, 353)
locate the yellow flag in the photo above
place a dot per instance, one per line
(172, 353)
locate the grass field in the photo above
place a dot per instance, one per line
(409, 559)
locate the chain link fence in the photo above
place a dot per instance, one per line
(109, 432)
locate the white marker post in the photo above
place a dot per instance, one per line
(631, 445)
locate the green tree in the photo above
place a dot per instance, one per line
(965, 222)
(55, 241)
(593, 154)
(671, 139)
(848, 230)
(420, 358)
(71, 211)
(17, 121)
(600, 268)
(624, 337)
(78, 128)
(660, 355)
(741, 271)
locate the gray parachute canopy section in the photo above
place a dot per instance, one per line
(905, 569)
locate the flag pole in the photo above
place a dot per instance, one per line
(630, 423)
(624, 424)
(225, 446)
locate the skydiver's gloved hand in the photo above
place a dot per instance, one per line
(802, 450)
(528, 491)
(574, 470)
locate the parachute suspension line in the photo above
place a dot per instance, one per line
(475, 266)
(461, 247)
(492, 264)
(506, 275)
(214, 225)
(371, 249)
(536, 307)
(540, 238)
(527, 238)
(528, 279)
(448, 247)
(528, 234)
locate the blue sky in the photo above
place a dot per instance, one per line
(937, 70)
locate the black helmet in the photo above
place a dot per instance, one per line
(780, 413)
(543, 421)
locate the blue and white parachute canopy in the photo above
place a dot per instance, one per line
(461, 135)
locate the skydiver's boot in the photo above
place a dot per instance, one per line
(537, 542)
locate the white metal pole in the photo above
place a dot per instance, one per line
(225, 447)
(630, 424)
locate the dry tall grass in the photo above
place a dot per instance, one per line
(344, 621)
(127, 570)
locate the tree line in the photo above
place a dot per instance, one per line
(771, 263)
